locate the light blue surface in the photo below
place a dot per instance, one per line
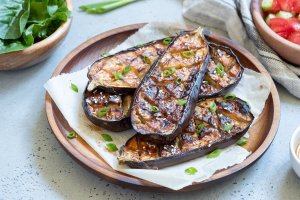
(34, 166)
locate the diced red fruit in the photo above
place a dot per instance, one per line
(275, 7)
(280, 25)
(285, 5)
(295, 6)
(294, 37)
(295, 24)
(283, 34)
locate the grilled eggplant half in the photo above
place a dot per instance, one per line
(164, 101)
(223, 72)
(109, 111)
(216, 123)
(122, 72)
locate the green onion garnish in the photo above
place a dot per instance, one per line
(111, 147)
(214, 154)
(103, 111)
(72, 135)
(106, 137)
(228, 127)
(213, 107)
(146, 60)
(205, 82)
(74, 87)
(118, 75)
(104, 54)
(200, 127)
(169, 72)
(220, 69)
(229, 96)
(181, 102)
(242, 141)
(191, 171)
(187, 54)
(105, 6)
(126, 69)
(154, 109)
(178, 80)
(167, 41)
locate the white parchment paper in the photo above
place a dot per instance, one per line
(252, 84)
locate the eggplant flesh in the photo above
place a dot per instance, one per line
(228, 74)
(109, 111)
(206, 132)
(122, 72)
(164, 101)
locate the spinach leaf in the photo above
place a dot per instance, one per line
(11, 45)
(13, 18)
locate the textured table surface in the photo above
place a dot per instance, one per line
(33, 165)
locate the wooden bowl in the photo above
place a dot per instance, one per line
(261, 133)
(286, 49)
(38, 51)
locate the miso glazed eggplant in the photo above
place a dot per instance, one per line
(223, 72)
(216, 123)
(122, 72)
(164, 101)
(107, 110)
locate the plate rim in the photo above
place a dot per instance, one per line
(134, 182)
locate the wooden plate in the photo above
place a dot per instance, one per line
(261, 134)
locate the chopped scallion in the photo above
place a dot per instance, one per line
(74, 87)
(103, 111)
(187, 54)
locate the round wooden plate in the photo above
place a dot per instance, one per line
(261, 134)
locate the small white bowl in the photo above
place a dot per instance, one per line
(294, 143)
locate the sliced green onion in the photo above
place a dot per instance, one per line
(154, 109)
(146, 60)
(181, 102)
(72, 135)
(103, 111)
(213, 107)
(111, 147)
(228, 127)
(200, 127)
(104, 54)
(229, 96)
(191, 171)
(167, 41)
(187, 54)
(169, 72)
(242, 141)
(220, 69)
(205, 82)
(126, 69)
(178, 80)
(102, 7)
(106, 137)
(214, 154)
(118, 75)
(74, 87)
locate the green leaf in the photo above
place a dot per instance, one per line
(191, 171)
(242, 141)
(111, 147)
(107, 137)
(214, 154)
(229, 96)
(154, 109)
(213, 107)
(99, 8)
(74, 87)
(181, 102)
(228, 127)
(10, 46)
(103, 111)
(13, 18)
(72, 135)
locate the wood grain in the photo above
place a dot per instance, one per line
(38, 51)
(262, 133)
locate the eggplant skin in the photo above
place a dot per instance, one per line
(140, 153)
(214, 85)
(163, 91)
(117, 125)
(102, 73)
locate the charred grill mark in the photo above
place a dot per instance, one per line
(205, 132)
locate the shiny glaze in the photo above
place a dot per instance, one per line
(138, 152)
